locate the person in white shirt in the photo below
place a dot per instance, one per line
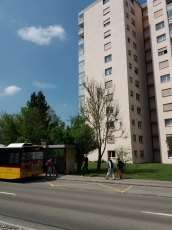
(110, 169)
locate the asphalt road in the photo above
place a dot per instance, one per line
(52, 204)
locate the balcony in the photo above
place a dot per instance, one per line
(81, 22)
(168, 2)
(81, 32)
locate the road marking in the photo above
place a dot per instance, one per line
(160, 214)
(49, 183)
(108, 187)
(17, 226)
(126, 189)
(69, 185)
(7, 193)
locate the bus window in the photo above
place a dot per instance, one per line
(2, 158)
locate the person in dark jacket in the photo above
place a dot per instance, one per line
(110, 169)
(85, 165)
(120, 166)
(55, 167)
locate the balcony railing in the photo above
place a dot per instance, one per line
(81, 32)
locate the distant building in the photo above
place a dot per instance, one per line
(130, 45)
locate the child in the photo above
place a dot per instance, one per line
(120, 165)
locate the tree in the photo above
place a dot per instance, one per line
(169, 144)
(83, 137)
(102, 113)
(29, 126)
(8, 128)
(47, 116)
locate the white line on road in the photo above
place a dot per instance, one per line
(16, 226)
(160, 214)
(7, 193)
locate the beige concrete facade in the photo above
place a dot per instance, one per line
(126, 31)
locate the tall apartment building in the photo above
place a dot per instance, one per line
(130, 45)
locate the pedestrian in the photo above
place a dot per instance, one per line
(110, 169)
(49, 165)
(85, 165)
(120, 166)
(55, 167)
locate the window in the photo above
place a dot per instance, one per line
(106, 11)
(167, 107)
(129, 52)
(127, 15)
(130, 66)
(108, 71)
(132, 1)
(81, 47)
(106, 22)
(105, 1)
(126, 3)
(168, 122)
(131, 80)
(131, 93)
(128, 39)
(162, 51)
(109, 96)
(108, 84)
(110, 124)
(132, 108)
(134, 46)
(166, 92)
(107, 46)
(163, 64)
(156, 2)
(137, 97)
(140, 139)
(142, 154)
(111, 154)
(111, 140)
(136, 70)
(137, 83)
(169, 154)
(108, 58)
(107, 34)
(81, 101)
(138, 110)
(160, 25)
(128, 28)
(135, 58)
(132, 11)
(133, 22)
(165, 78)
(134, 137)
(133, 122)
(109, 110)
(170, 13)
(135, 153)
(139, 124)
(158, 13)
(161, 38)
(80, 17)
(134, 33)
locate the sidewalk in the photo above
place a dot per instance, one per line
(148, 183)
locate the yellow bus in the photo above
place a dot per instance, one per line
(21, 160)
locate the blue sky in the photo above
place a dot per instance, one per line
(39, 51)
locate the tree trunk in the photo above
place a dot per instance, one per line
(99, 160)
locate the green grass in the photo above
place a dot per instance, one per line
(162, 172)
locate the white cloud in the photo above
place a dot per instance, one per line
(10, 90)
(41, 36)
(44, 85)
